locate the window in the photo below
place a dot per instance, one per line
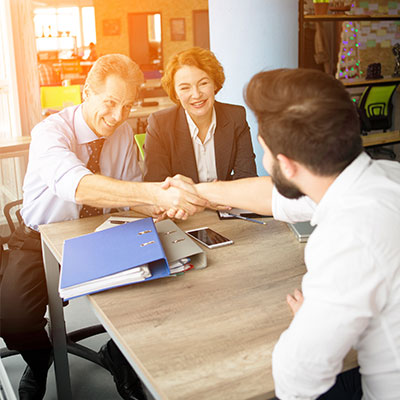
(9, 108)
(10, 125)
(66, 30)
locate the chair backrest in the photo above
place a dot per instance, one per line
(376, 106)
(58, 97)
(4, 239)
(7, 213)
(140, 138)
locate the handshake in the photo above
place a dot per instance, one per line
(179, 197)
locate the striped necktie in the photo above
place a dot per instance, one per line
(95, 148)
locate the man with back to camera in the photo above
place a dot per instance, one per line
(81, 160)
(309, 131)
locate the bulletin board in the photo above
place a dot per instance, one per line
(377, 38)
(352, 45)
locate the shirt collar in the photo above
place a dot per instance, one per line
(194, 130)
(340, 186)
(82, 131)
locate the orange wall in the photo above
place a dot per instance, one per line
(119, 10)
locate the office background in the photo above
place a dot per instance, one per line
(246, 36)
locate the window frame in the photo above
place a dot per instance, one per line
(8, 82)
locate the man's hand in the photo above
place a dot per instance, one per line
(152, 211)
(295, 301)
(180, 199)
(180, 182)
(185, 183)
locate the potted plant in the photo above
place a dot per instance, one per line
(321, 7)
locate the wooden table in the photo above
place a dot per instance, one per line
(14, 147)
(138, 115)
(140, 111)
(207, 334)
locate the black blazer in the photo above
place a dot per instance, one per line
(169, 151)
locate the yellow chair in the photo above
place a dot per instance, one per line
(59, 97)
(140, 138)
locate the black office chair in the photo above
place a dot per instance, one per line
(72, 337)
(7, 213)
(375, 109)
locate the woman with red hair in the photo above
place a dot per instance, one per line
(198, 137)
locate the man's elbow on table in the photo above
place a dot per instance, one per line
(295, 378)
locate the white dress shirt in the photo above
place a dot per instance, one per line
(351, 288)
(58, 155)
(204, 152)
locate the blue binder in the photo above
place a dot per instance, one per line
(110, 251)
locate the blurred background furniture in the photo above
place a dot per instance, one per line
(72, 70)
(55, 98)
(48, 75)
(376, 111)
(139, 139)
(140, 112)
(376, 107)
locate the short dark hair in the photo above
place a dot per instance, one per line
(306, 115)
(195, 57)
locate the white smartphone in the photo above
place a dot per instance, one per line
(208, 237)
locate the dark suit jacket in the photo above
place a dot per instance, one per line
(169, 150)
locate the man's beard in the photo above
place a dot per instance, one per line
(284, 187)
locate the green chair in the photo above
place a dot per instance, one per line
(376, 107)
(375, 110)
(140, 138)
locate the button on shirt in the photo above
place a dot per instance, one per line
(204, 152)
(351, 288)
(58, 155)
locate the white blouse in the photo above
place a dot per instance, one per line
(204, 152)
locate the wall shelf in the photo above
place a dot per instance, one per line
(379, 139)
(369, 82)
(345, 17)
(306, 19)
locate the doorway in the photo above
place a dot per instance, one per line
(145, 42)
